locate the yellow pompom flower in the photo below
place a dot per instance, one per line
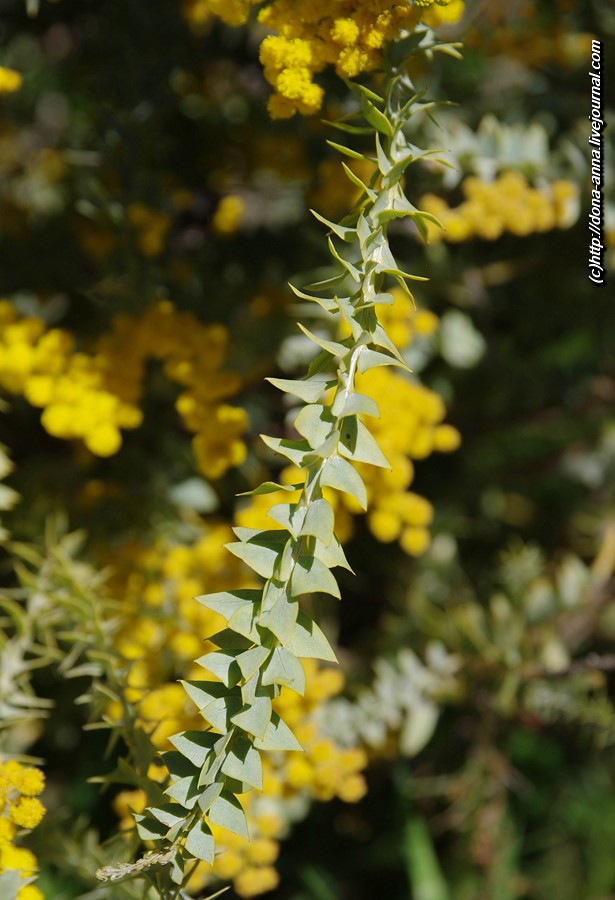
(27, 812)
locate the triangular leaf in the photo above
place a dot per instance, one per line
(255, 718)
(284, 668)
(319, 521)
(307, 641)
(315, 423)
(200, 842)
(338, 473)
(332, 347)
(268, 487)
(348, 404)
(359, 444)
(308, 391)
(228, 812)
(293, 450)
(243, 763)
(228, 602)
(195, 745)
(310, 575)
(278, 736)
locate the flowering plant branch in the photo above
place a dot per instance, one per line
(267, 632)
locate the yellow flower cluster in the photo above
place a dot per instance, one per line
(10, 80)
(20, 808)
(92, 396)
(507, 204)
(164, 629)
(311, 36)
(410, 427)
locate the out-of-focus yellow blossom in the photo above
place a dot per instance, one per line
(311, 35)
(150, 226)
(10, 80)
(436, 15)
(333, 195)
(93, 396)
(19, 808)
(229, 214)
(507, 204)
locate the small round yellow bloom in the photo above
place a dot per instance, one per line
(255, 881)
(414, 540)
(10, 81)
(27, 812)
(446, 438)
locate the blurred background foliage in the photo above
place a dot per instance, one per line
(151, 215)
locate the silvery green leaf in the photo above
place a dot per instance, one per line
(263, 557)
(308, 391)
(346, 151)
(315, 423)
(228, 602)
(211, 793)
(169, 814)
(293, 450)
(346, 234)
(185, 791)
(319, 521)
(195, 745)
(228, 812)
(222, 663)
(357, 181)
(255, 718)
(332, 554)
(148, 829)
(307, 641)
(200, 842)
(352, 404)
(384, 163)
(352, 270)
(284, 668)
(202, 693)
(371, 359)
(359, 444)
(268, 487)
(326, 303)
(219, 713)
(281, 617)
(338, 473)
(278, 736)
(311, 575)
(244, 621)
(290, 515)
(243, 763)
(251, 660)
(375, 117)
(332, 347)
